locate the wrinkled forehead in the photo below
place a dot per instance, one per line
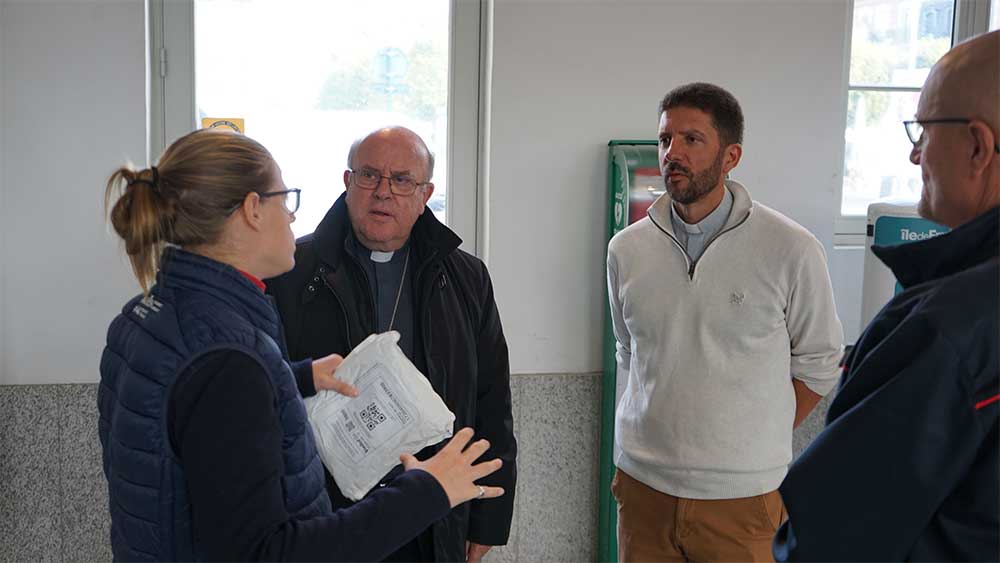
(394, 153)
(683, 118)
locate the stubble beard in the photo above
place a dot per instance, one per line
(699, 185)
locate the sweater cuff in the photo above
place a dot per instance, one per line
(423, 484)
(819, 384)
(304, 377)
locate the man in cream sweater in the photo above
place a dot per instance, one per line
(728, 336)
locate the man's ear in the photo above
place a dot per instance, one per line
(983, 147)
(428, 192)
(252, 211)
(347, 179)
(734, 153)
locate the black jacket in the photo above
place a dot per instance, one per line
(327, 307)
(908, 467)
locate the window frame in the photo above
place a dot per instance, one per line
(971, 17)
(172, 111)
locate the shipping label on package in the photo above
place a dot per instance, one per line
(396, 411)
(373, 418)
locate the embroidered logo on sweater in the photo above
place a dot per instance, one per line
(737, 298)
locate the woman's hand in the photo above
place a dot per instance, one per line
(323, 378)
(453, 468)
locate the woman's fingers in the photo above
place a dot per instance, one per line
(328, 364)
(476, 450)
(481, 470)
(455, 468)
(408, 461)
(323, 378)
(488, 492)
(341, 386)
(457, 442)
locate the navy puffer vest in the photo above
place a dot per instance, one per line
(197, 306)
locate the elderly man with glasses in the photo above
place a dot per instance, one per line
(907, 467)
(380, 261)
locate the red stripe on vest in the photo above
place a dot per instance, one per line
(989, 401)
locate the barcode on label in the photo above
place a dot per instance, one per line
(371, 416)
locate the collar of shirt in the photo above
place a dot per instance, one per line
(367, 256)
(708, 226)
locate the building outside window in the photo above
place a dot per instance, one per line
(327, 73)
(894, 44)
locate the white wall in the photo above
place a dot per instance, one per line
(570, 75)
(72, 86)
(3, 175)
(847, 269)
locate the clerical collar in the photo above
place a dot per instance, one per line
(361, 251)
(713, 222)
(381, 257)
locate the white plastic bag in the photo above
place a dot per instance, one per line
(396, 411)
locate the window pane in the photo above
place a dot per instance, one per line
(876, 159)
(895, 42)
(994, 15)
(311, 76)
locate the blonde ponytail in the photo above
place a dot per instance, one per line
(200, 180)
(140, 216)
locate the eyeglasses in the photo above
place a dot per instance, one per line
(399, 184)
(291, 199)
(915, 129)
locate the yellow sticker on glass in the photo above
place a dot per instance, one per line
(230, 123)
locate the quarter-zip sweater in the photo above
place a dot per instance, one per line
(709, 348)
(694, 237)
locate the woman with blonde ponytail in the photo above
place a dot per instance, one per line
(140, 217)
(207, 450)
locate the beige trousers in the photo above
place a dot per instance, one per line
(655, 526)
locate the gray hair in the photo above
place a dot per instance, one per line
(357, 143)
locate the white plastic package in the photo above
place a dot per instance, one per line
(396, 411)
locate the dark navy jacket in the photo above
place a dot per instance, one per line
(907, 467)
(197, 306)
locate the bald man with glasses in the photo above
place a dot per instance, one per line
(907, 467)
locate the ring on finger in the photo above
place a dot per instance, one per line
(482, 491)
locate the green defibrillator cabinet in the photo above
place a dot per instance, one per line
(634, 183)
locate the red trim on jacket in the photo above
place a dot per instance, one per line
(991, 400)
(253, 279)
